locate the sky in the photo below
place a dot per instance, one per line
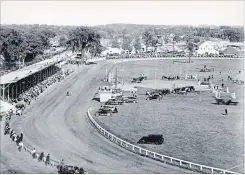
(134, 12)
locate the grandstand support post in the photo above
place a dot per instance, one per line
(16, 90)
(20, 87)
(12, 92)
(3, 92)
(8, 93)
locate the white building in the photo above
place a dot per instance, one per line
(207, 48)
(111, 51)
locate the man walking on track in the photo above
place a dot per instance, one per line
(226, 112)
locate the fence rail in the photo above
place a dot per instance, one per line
(156, 156)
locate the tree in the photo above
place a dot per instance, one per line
(191, 48)
(127, 44)
(83, 38)
(115, 44)
(34, 46)
(137, 44)
(11, 45)
(152, 37)
(176, 38)
(147, 38)
(63, 41)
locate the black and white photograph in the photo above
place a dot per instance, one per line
(122, 87)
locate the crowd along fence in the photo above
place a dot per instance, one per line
(156, 156)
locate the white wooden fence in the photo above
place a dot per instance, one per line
(156, 156)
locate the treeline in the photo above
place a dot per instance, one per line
(113, 31)
(225, 33)
(23, 45)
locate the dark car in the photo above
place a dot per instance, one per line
(131, 100)
(107, 112)
(152, 139)
(157, 97)
(112, 108)
(68, 169)
(114, 102)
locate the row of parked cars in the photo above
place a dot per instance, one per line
(110, 106)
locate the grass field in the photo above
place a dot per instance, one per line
(193, 127)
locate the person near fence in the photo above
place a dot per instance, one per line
(11, 133)
(33, 153)
(21, 137)
(47, 162)
(40, 159)
(13, 136)
(61, 165)
(21, 145)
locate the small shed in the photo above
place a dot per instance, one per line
(105, 93)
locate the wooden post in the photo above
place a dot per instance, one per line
(3, 92)
(8, 93)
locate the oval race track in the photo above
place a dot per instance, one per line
(58, 125)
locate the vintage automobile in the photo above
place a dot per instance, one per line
(131, 100)
(112, 108)
(107, 112)
(153, 138)
(155, 96)
(139, 79)
(68, 169)
(114, 102)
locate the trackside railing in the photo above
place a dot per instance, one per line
(156, 156)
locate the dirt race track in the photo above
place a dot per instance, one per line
(58, 125)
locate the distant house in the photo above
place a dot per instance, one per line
(55, 42)
(207, 48)
(111, 51)
(170, 48)
(231, 52)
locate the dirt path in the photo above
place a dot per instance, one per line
(58, 125)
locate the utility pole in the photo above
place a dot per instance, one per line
(116, 77)
(155, 74)
(106, 77)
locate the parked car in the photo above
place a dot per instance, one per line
(131, 100)
(107, 112)
(114, 102)
(155, 139)
(156, 96)
(112, 108)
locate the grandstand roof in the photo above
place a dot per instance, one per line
(17, 75)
